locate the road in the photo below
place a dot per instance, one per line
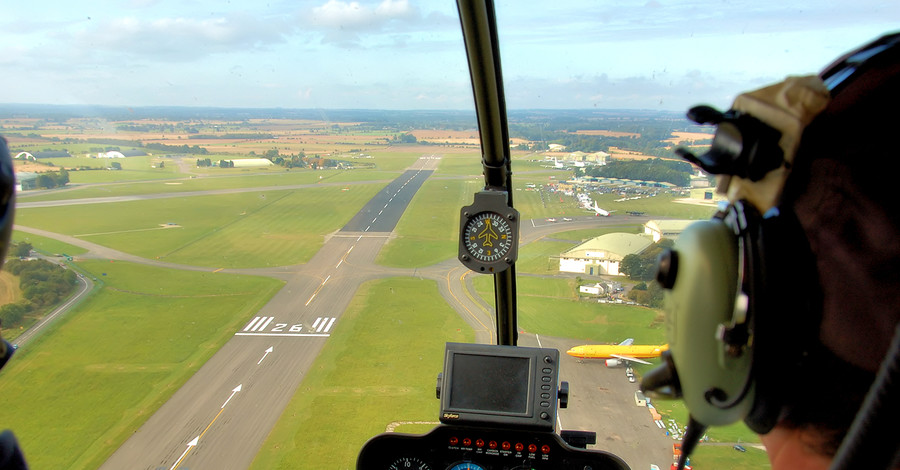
(84, 286)
(221, 416)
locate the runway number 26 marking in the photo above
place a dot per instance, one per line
(266, 326)
(279, 327)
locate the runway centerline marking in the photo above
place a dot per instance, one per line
(317, 291)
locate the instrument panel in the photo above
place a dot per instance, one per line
(448, 447)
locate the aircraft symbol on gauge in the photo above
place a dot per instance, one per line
(489, 233)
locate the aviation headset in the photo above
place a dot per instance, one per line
(743, 297)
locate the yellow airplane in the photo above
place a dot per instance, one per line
(618, 354)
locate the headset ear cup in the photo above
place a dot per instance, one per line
(702, 297)
(783, 292)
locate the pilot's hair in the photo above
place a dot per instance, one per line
(844, 194)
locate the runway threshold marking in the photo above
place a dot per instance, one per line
(259, 323)
(320, 324)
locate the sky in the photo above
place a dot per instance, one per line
(409, 54)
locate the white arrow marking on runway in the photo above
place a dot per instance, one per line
(266, 354)
(183, 455)
(233, 393)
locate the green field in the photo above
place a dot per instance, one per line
(549, 306)
(89, 381)
(427, 232)
(46, 245)
(242, 230)
(118, 183)
(393, 335)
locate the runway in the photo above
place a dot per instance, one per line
(221, 416)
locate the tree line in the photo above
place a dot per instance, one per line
(235, 135)
(43, 284)
(642, 267)
(193, 149)
(657, 169)
(51, 180)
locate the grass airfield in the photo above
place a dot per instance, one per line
(81, 388)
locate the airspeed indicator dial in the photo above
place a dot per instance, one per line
(489, 233)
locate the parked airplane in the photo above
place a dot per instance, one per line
(557, 165)
(600, 212)
(618, 354)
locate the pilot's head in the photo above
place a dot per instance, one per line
(845, 199)
(809, 255)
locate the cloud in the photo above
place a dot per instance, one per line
(180, 39)
(671, 92)
(354, 16)
(355, 24)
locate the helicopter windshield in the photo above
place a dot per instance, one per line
(237, 225)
